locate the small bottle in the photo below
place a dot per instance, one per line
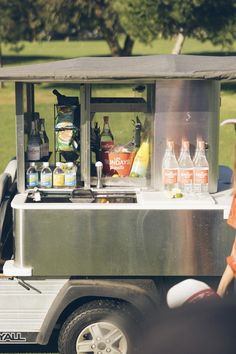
(185, 169)
(34, 144)
(58, 176)
(106, 138)
(32, 177)
(201, 170)
(45, 140)
(170, 168)
(46, 176)
(70, 175)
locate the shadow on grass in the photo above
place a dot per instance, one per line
(229, 86)
(215, 54)
(24, 59)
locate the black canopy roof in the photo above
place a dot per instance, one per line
(142, 68)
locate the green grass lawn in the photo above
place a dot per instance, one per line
(45, 51)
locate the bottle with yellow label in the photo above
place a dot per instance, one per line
(141, 160)
(58, 176)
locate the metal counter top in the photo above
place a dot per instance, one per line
(153, 200)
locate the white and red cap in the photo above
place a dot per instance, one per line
(189, 291)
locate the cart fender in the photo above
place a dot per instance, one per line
(140, 293)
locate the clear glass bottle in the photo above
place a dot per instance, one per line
(185, 169)
(170, 168)
(106, 138)
(70, 175)
(32, 177)
(34, 144)
(199, 141)
(201, 170)
(46, 176)
(181, 150)
(45, 140)
(58, 176)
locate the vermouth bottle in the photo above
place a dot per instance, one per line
(201, 170)
(34, 144)
(185, 169)
(45, 140)
(169, 168)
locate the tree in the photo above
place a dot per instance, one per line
(204, 20)
(18, 20)
(72, 18)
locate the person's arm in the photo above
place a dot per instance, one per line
(229, 273)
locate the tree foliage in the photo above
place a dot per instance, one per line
(79, 18)
(204, 20)
(144, 20)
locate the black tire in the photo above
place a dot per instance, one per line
(115, 316)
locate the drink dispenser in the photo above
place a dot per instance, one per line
(187, 109)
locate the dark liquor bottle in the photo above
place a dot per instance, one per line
(106, 138)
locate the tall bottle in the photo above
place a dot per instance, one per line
(170, 168)
(34, 144)
(201, 169)
(106, 138)
(70, 175)
(32, 178)
(46, 176)
(45, 140)
(141, 160)
(58, 176)
(185, 169)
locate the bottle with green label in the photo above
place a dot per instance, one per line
(32, 177)
(70, 175)
(58, 176)
(46, 176)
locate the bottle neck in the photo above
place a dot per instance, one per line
(33, 128)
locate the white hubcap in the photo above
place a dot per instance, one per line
(101, 338)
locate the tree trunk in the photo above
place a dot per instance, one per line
(128, 46)
(113, 44)
(1, 64)
(178, 43)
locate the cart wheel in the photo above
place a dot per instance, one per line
(100, 327)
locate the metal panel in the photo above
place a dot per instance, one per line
(20, 144)
(123, 242)
(114, 104)
(24, 310)
(187, 109)
(85, 94)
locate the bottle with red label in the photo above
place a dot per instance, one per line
(169, 168)
(185, 169)
(201, 169)
(106, 137)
